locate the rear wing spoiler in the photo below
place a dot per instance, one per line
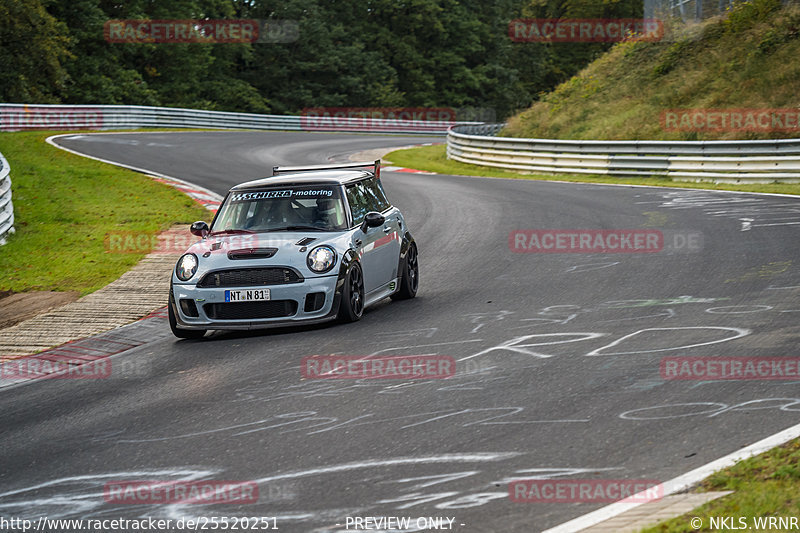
(376, 167)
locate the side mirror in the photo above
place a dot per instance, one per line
(373, 219)
(199, 228)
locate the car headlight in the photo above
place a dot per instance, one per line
(186, 267)
(321, 259)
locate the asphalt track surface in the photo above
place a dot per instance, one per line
(558, 355)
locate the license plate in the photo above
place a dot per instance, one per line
(247, 295)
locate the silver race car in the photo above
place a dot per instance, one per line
(307, 245)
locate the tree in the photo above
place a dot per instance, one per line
(33, 46)
(354, 53)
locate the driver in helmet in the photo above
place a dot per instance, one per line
(326, 214)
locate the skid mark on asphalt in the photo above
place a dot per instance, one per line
(308, 422)
(79, 496)
(750, 211)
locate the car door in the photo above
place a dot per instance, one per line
(374, 245)
(389, 244)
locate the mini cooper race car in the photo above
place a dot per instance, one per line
(307, 245)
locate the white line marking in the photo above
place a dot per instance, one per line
(359, 465)
(753, 309)
(513, 346)
(669, 314)
(740, 332)
(776, 224)
(590, 266)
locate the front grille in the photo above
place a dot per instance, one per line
(250, 277)
(251, 310)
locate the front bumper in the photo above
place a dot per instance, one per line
(209, 303)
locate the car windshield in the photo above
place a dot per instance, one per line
(307, 208)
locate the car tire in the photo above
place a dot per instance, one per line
(409, 280)
(173, 323)
(351, 306)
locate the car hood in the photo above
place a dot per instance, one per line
(250, 250)
(258, 243)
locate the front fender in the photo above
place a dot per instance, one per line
(349, 258)
(404, 245)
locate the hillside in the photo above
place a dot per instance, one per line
(745, 61)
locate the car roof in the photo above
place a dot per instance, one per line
(322, 177)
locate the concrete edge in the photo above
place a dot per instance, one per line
(651, 515)
(87, 358)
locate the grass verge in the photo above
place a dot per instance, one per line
(65, 206)
(434, 159)
(767, 485)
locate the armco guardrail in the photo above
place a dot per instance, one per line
(18, 117)
(6, 207)
(721, 161)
